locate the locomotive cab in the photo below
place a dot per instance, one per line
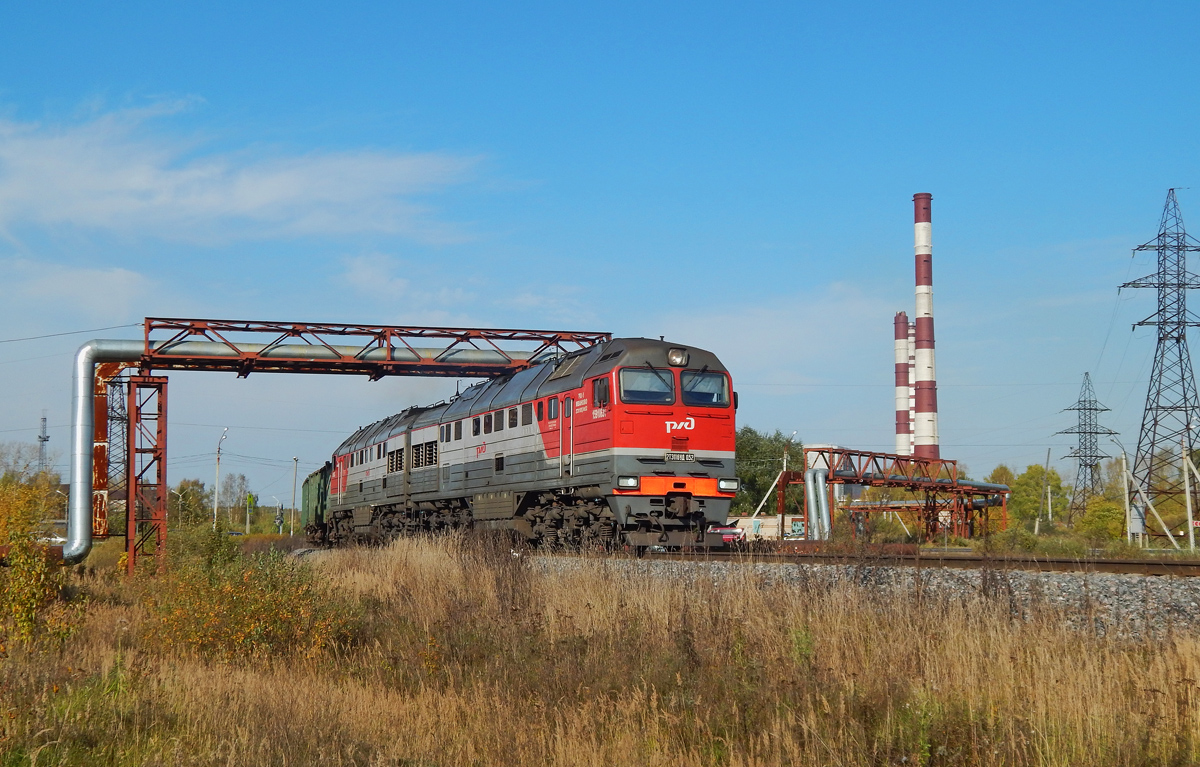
(673, 445)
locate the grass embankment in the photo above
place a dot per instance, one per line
(453, 652)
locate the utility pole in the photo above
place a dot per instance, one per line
(217, 484)
(1171, 401)
(1187, 494)
(1125, 496)
(42, 439)
(783, 502)
(1045, 492)
(295, 469)
(1088, 482)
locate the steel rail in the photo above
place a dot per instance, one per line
(1188, 568)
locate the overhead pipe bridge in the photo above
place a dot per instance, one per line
(245, 347)
(943, 502)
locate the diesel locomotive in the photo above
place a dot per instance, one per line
(625, 443)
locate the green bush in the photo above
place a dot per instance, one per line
(30, 584)
(1104, 520)
(218, 603)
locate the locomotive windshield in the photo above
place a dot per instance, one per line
(648, 386)
(704, 389)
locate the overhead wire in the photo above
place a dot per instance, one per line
(69, 333)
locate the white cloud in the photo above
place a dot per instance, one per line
(58, 289)
(114, 172)
(814, 336)
(375, 277)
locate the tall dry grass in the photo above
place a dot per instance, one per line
(460, 653)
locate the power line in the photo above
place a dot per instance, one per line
(69, 333)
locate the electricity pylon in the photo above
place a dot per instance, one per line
(1088, 482)
(1171, 402)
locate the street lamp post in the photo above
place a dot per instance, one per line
(217, 485)
(179, 495)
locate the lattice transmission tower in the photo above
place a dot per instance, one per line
(1171, 402)
(1088, 481)
(118, 437)
(42, 439)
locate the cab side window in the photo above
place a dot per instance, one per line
(552, 408)
(600, 392)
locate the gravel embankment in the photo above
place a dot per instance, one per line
(1126, 604)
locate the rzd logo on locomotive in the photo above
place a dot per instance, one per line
(687, 425)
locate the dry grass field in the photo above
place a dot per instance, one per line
(452, 651)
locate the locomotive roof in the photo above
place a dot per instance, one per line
(550, 377)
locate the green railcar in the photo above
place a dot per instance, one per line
(315, 496)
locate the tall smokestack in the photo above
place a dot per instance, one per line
(903, 424)
(925, 428)
(912, 384)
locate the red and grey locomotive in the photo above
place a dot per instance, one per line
(627, 442)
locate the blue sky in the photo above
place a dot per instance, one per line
(738, 178)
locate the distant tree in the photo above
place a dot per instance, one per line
(190, 504)
(18, 460)
(759, 461)
(1027, 493)
(234, 490)
(1001, 475)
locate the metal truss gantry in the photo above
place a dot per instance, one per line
(943, 502)
(146, 475)
(372, 350)
(1171, 401)
(132, 439)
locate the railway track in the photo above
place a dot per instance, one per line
(943, 559)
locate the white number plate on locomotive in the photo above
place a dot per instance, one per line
(681, 456)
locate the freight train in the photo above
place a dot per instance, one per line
(625, 443)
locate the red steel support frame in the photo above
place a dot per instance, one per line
(372, 350)
(244, 347)
(947, 503)
(146, 506)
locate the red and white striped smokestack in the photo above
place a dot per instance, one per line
(912, 384)
(925, 426)
(903, 425)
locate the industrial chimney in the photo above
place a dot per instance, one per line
(903, 420)
(925, 427)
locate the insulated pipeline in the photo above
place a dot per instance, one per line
(83, 416)
(83, 426)
(811, 511)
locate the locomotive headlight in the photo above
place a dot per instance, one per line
(728, 485)
(629, 483)
(677, 357)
